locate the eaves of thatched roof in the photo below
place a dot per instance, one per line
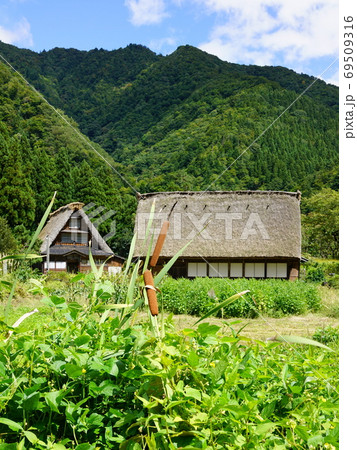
(224, 224)
(57, 222)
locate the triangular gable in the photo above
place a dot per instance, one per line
(59, 219)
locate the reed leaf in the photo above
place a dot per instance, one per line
(168, 266)
(300, 340)
(221, 305)
(21, 257)
(130, 256)
(132, 283)
(41, 224)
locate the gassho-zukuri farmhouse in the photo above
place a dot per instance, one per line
(251, 234)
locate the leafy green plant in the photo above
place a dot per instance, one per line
(270, 297)
(93, 378)
(327, 335)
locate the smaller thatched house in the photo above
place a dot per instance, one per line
(66, 239)
(251, 234)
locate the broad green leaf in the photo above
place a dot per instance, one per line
(73, 370)
(193, 359)
(31, 437)
(315, 441)
(81, 340)
(264, 428)
(78, 277)
(193, 393)
(207, 329)
(55, 302)
(30, 402)
(85, 446)
(53, 399)
(223, 304)
(14, 426)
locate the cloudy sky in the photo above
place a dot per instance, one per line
(299, 34)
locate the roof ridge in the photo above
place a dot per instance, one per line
(296, 194)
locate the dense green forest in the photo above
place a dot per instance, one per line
(168, 123)
(40, 154)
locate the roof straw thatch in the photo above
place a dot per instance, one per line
(58, 220)
(232, 224)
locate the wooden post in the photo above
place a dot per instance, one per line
(48, 254)
(294, 271)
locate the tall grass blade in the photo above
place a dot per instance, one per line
(132, 284)
(148, 253)
(21, 257)
(41, 224)
(151, 218)
(130, 256)
(168, 266)
(221, 305)
(92, 263)
(300, 340)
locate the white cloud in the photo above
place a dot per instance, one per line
(271, 31)
(146, 12)
(20, 33)
(159, 44)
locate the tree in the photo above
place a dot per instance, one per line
(7, 240)
(16, 196)
(320, 224)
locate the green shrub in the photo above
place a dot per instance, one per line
(322, 271)
(327, 335)
(271, 297)
(315, 273)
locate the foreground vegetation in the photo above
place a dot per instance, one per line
(86, 379)
(94, 375)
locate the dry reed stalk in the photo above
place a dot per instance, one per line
(151, 292)
(159, 243)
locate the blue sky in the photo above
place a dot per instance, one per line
(299, 34)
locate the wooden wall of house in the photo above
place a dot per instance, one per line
(234, 268)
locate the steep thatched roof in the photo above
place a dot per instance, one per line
(233, 224)
(58, 220)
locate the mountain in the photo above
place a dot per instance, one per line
(177, 122)
(42, 152)
(186, 121)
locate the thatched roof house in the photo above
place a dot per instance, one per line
(66, 239)
(236, 234)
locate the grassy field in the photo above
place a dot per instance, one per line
(259, 328)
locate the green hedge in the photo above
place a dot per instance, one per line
(271, 297)
(321, 271)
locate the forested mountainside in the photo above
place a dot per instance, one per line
(171, 123)
(40, 153)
